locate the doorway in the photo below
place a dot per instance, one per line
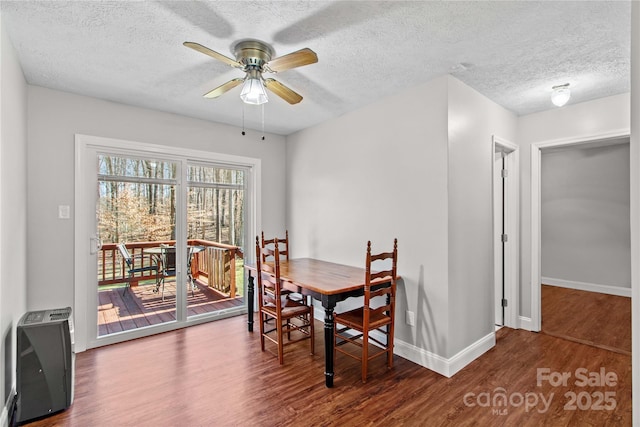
(585, 244)
(183, 218)
(505, 225)
(536, 229)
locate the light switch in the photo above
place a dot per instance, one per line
(64, 212)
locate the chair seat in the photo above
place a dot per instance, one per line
(355, 319)
(290, 309)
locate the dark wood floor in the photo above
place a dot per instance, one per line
(587, 317)
(140, 306)
(215, 375)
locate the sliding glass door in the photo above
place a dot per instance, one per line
(167, 235)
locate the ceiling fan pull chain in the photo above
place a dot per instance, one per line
(242, 118)
(262, 121)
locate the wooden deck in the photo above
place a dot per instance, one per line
(140, 306)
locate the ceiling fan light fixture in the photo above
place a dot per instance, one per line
(253, 90)
(560, 94)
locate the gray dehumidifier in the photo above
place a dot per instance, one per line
(45, 363)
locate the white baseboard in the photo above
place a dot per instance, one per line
(525, 323)
(433, 361)
(591, 287)
(4, 416)
(471, 353)
(443, 366)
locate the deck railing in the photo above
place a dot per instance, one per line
(214, 266)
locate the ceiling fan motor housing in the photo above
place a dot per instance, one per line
(253, 53)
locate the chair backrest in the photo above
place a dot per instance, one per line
(375, 277)
(282, 245)
(268, 274)
(168, 260)
(125, 254)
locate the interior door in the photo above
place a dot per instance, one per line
(506, 225)
(499, 259)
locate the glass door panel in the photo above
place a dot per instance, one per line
(136, 219)
(215, 237)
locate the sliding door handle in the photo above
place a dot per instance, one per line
(95, 244)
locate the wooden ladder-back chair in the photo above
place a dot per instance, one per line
(283, 251)
(360, 322)
(283, 245)
(289, 315)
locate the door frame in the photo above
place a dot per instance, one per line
(512, 228)
(85, 334)
(536, 163)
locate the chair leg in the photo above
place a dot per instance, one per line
(262, 321)
(280, 332)
(311, 331)
(390, 347)
(128, 285)
(162, 281)
(191, 283)
(365, 355)
(335, 342)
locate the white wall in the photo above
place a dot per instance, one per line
(416, 166)
(473, 119)
(585, 215)
(571, 121)
(13, 212)
(54, 117)
(374, 174)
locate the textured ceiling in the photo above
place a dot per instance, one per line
(131, 51)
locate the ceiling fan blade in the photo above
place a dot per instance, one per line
(213, 54)
(282, 91)
(292, 60)
(223, 88)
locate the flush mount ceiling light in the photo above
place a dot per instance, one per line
(253, 91)
(560, 94)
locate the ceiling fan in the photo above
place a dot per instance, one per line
(254, 57)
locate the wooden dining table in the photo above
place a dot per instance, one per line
(324, 281)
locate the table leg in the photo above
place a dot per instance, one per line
(250, 287)
(328, 346)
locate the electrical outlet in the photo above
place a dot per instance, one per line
(411, 318)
